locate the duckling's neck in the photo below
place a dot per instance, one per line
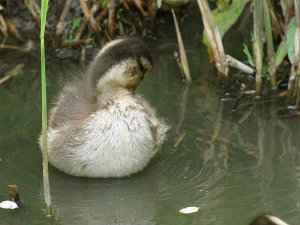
(109, 92)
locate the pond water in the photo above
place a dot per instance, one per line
(232, 166)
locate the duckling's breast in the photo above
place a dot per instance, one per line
(116, 140)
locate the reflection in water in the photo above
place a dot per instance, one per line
(182, 107)
(109, 201)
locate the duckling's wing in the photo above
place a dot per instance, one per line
(158, 126)
(74, 103)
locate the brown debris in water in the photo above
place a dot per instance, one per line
(12, 73)
(13, 192)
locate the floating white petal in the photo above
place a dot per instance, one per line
(188, 210)
(8, 205)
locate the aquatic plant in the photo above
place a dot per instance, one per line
(214, 38)
(270, 45)
(183, 59)
(44, 110)
(270, 23)
(293, 41)
(258, 44)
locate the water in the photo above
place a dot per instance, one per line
(232, 166)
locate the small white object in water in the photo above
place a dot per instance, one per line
(8, 205)
(188, 210)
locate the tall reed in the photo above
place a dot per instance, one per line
(270, 44)
(296, 63)
(183, 59)
(214, 37)
(257, 43)
(44, 111)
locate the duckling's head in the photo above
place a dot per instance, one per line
(120, 65)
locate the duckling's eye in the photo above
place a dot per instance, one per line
(133, 72)
(143, 69)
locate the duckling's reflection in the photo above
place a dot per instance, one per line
(104, 201)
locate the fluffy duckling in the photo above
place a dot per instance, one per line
(267, 219)
(98, 126)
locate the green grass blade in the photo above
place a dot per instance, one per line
(44, 111)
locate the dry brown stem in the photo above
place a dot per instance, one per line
(140, 8)
(12, 47)
(214, 37)
(31, 5)
(84, 23)
(62, 18)
(3, 26)
(13, 30)
(183, 57)
(239, 65)
(152, 8)
(111, 17)
(102, 14)
(12, 73)
(179, 139)
(257, 44)
(89, 16)
(80, 29)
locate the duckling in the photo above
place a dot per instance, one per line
(99, 127)
(267, 219)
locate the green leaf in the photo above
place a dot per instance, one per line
(44, 9)
(291, 39)
(75, 23)
(223, 4)
(226, 19)
(265, 70)
(248, 54)
(175, 2)
(280, 53)
(103, 4)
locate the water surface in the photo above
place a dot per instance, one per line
(232, 166)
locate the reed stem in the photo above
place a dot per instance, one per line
(270, 44)
(296, 63)
(257, 44)
(293, 87)
(183, 58)
(214, 37)
(44, 111)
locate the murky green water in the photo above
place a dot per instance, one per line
(232, 166)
